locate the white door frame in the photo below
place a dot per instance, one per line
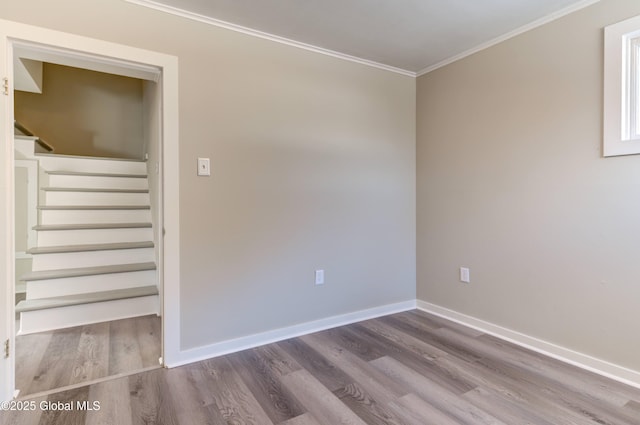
(114, 58)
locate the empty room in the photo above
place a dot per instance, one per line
(320, 212)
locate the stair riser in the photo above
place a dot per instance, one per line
(93, 236)
(70, 260)
(95, 198)
(77, 315)
(94, 216)
(86, 284)
(92, 165)
(98, 182)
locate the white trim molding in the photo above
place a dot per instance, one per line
(528, 27)
(272, 37)
(266, 36)
(268, 337)
(621, 88)
(581, 360)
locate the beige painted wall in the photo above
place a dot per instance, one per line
(313, 166)
(512, 184)
(82, 112)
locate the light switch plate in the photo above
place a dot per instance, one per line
(204, 167)
(464, 275)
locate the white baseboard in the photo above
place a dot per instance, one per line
(584, 361)
(251, 341)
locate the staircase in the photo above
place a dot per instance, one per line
(95, 257)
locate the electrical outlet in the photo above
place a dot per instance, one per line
(464, 275)
(319, 277)
(204, 167)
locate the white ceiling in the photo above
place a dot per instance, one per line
(412, 35)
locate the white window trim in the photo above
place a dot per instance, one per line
(621, 88)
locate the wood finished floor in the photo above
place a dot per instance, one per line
(55, 359)
(407, 368)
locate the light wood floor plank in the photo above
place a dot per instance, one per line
(513, 385)
(379, 329)
(49, 360)
(254, 367)
(565, 391)
(375, 383)
(92, 357)
(355, 342)
(115, 403)
(405, 369)
(569, 377)
(204, 392)
(319, 401)
(505, 410)
(151, 400)
(148, 335)
(124, 347)
(598, 386)
(234, 400)
(322, 369)
(306, 419)
(411, 352)
(74, 416)
(56, 368)
(415, 411)
(370, 392)
(30, 350)
(633, 407)
(187, 405)
(368, 409)
(24, 417)
(435, 395)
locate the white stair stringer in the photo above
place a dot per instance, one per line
(95, 254)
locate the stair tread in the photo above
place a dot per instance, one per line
(90, 226)
(94, 207)
(92, 297)
(83, 174)
(103, 158)
(89, 247)
(86, 271)
(92, 189)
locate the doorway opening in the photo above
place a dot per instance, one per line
(89, 275)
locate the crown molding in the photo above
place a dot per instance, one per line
(282, 40)
(537, 23)
(260, 34)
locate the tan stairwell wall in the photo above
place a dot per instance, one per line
(82, 112)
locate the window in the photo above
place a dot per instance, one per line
(622, 88)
